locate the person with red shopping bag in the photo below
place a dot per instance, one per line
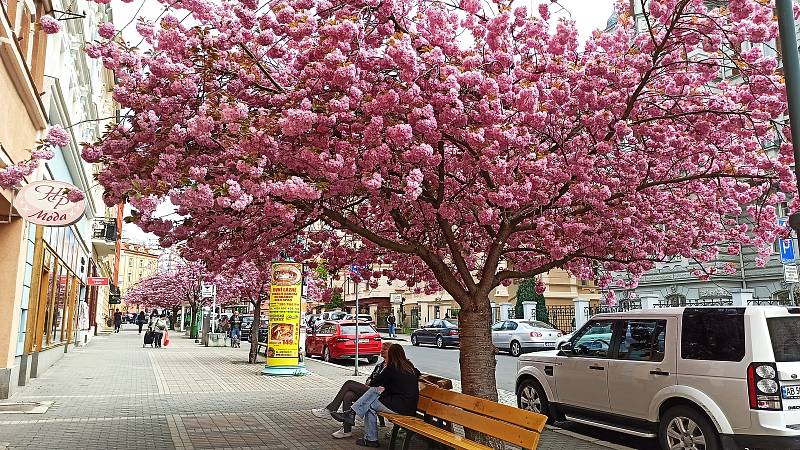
(160, 329)
(166, 338)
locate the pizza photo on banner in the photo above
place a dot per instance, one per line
(283, 352)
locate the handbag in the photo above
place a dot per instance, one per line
(166, 338)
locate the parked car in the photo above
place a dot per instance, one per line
(361, 317)
(694, 377)
(520, 335)
(247, 327)
(563, 340)
(337, 340)
(332, 315)
(439, 332)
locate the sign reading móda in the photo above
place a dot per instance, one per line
(45, 203)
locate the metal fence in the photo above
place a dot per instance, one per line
(769, 302)
(623, 306)
(698, 302)
(562, 317)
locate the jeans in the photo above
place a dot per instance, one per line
(116, 326)
(236, 332)
(158, 335)
(347, 395)
(392, 330)
(141, 324)
(368, 407)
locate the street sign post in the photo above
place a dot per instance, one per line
(786, 246)
(790, 274)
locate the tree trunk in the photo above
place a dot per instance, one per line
(477, 356)
(254, 332)
(175, 310)
(193, 325)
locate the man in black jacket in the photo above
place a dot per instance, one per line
(350, 391)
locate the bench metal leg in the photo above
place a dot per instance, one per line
(407, 440)
(392, 441)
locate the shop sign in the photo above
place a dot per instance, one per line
(45, 203)
(97, 281)
(285, 308)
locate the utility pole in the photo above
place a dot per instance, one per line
(791, 71)
(357, 336)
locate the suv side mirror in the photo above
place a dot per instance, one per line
(566, 348)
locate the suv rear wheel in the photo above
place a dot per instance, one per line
(531, 397)
(683, 427)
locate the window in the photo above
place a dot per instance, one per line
(713, 334)
(510, 326)
(436, 312)
(362, 329)
(537, 324)
(498, 326)
(594, 340)
(642, 340)
(785, 335)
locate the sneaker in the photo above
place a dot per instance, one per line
(366, 443)
(347, 417)
(322, 413)
(341, 434)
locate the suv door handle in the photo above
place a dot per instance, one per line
(658, 372)
(597, 367)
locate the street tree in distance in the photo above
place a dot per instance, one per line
(459, 145)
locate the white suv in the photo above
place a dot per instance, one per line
(695, 378)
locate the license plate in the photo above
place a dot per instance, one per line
(363, 341)
(790, 391)
(550, 344)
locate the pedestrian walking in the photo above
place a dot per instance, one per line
(392, 322)
(141, 319)
(159, 328)
(394, 390)
(117, 320)
(236, 327)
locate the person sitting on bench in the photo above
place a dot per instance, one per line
(350, 391)
(394, 390)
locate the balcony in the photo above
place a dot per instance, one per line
(104, 237)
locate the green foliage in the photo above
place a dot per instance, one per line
(337, 302)
(527, 293)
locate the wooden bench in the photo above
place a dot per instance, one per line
(440, 409)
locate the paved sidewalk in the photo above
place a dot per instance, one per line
(114, 394)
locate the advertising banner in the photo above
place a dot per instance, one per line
(283, 334)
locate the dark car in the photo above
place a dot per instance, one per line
(438, 332)
(337, 340)
(262, 330)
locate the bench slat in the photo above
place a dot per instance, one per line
(526, 419)
(437, 434)
(505, 431)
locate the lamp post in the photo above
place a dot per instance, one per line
(791, 70)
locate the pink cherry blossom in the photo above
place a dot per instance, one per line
(373, 134)
(49, 24)
(58, 136)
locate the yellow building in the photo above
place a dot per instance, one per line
(136, 262)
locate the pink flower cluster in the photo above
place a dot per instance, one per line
(49, 24)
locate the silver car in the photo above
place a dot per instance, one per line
(519, 335)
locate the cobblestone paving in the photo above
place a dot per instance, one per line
(114, 394)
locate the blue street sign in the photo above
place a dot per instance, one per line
(786, 247)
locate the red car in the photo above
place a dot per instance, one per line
(337, 340)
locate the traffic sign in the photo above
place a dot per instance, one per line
(208, 290)
(786, 246)
(790, 274)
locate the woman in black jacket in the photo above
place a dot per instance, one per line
(395, 390)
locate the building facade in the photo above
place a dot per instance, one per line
(46, 304)
(136, 263)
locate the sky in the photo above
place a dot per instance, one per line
(589, 15)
